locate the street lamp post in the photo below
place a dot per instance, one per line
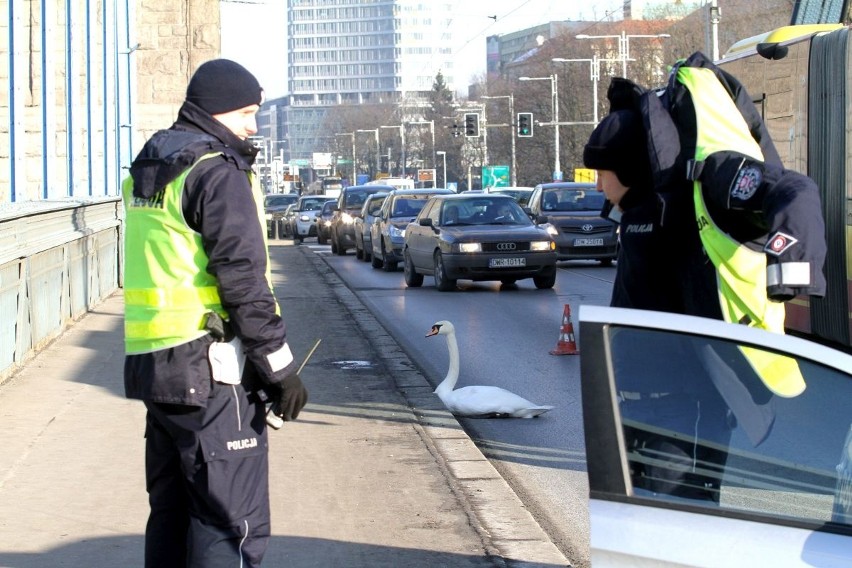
(378, 149)
(431, 124)
(444, 156)
(594, 74)
(401, 147)
(354, 174)
(554, 100)
(623, 45)
(511, 98)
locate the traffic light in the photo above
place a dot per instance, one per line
(525, 125)
(471, 125)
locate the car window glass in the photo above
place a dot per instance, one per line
(535, 206)
(375, 205)
(704, 429)
(407, 206)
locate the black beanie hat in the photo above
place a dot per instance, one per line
(618, 144)
(222, 85)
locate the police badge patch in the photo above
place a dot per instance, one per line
(779, 243)
(746, 183)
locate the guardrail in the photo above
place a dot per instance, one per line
(58, 259)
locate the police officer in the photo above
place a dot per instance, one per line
(674, 240)
(196, 256)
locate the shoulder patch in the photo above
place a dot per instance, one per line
(779, 243)
(746, 183)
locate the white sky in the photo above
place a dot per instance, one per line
(254, 31)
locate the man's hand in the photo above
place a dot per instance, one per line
(288, 397)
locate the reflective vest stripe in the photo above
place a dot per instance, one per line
(741, 272)
(168, 290)
(167, 298)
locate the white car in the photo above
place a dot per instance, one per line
(760, 476)
(309, 206)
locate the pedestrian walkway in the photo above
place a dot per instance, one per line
(375, 473)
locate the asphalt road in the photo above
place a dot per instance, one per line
(504, 336)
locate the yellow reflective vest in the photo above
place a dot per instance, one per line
(168, 291)
(741, 272)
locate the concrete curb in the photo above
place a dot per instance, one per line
(506, 526)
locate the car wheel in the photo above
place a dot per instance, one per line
(412, 278)
(359, 252)
(442, 283)
(545, 282)
(375, 261)
(337, 247)
(299, 239)
(388, 265)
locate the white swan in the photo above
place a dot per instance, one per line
(478, 401)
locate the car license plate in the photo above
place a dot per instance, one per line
(506, 262)
(588, 242)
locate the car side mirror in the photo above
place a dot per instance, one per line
(426, 222)
(541, 219)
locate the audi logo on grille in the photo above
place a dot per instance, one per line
(587, 228)
(506, 246)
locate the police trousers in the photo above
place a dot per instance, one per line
(207, 477)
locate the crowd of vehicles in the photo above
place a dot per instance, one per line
(388, 225)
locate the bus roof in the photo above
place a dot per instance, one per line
(783, 34)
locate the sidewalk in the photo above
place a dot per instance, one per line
(374, 473)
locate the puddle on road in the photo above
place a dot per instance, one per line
(353, 365)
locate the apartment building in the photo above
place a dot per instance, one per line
(352, 52)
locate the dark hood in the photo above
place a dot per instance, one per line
(170, 152)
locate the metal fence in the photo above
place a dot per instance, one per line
(56, 263)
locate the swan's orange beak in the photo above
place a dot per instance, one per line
(433, 331)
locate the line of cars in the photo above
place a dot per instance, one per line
(476, 235)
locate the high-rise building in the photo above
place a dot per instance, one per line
(350, 52)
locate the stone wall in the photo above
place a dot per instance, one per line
(174, 39)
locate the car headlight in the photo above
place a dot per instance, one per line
(551, 230)
(347, 218)
(304, 217)
(396, 232)
(539, 246)
(470, 247)
(269, 216)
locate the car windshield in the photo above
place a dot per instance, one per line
(355, 198)
(483, 211)
(407, 206)
(572, 199)
(313, 204)
(278, 200)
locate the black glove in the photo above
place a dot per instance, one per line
(288, 397)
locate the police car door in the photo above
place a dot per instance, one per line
(783, 494)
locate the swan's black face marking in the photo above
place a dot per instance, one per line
(434, 331)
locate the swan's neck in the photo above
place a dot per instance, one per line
(449, 382)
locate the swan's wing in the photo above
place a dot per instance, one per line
(488, 400)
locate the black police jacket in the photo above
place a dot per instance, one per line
(219, 204)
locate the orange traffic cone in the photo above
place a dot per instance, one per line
(566, 344)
